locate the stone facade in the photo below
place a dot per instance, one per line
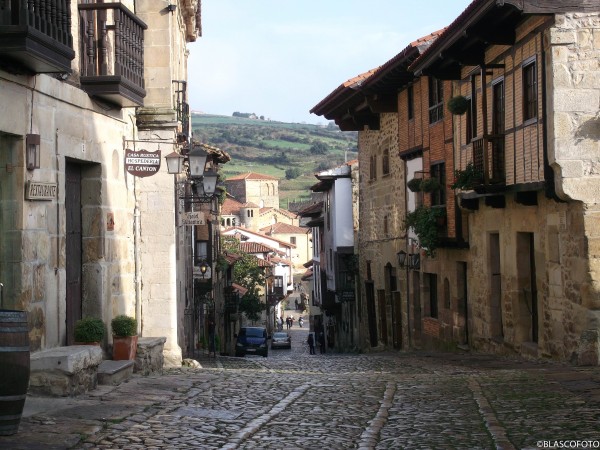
(514, 270)
(127, 233)
(381, 200)
(262, 190)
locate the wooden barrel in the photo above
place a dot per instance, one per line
(14, 372)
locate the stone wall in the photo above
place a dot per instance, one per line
(573, 49)
(380, 199)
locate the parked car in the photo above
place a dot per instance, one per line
(281, 340)
(251, 340)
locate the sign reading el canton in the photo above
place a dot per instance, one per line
(142, 163)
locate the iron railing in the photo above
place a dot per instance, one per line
(183, 109)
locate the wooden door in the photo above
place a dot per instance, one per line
(73, 246)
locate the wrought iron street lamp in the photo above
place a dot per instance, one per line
(204, 182)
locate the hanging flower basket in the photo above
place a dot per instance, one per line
(414, 185)
(458, 105)
(430, 185)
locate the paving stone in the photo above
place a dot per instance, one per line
(299, 401)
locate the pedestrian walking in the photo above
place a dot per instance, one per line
(311, 343)
(296, 304)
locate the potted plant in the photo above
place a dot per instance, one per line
(89, 330)
(125, 337)
(425, 221)
(414, 185)
(430, 184)
(468, 178)
(458, 105)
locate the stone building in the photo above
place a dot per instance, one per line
(512, 267)
(80, 234)
(262, 190)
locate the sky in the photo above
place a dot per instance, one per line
(280, 58)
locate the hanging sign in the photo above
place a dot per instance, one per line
(192, 218)
(142, 163)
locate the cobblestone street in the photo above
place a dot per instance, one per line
(295, 400)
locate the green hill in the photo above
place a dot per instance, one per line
(272, 148)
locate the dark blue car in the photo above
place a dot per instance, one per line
(251, 340)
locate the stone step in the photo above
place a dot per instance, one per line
(65, 371)
(114, 372)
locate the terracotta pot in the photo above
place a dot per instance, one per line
(124, 347)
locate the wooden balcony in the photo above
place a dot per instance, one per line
(35, 36)
(112, 53)
(488, 159)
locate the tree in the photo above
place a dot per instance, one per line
(291, 173)
(319, 148)
(247, 273)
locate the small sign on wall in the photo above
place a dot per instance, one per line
(37, 190)
(110, 221)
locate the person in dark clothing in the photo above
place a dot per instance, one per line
(311, 343)
(321, 342)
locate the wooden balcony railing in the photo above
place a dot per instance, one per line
(488, 158)
(112, 57)
(36, 34)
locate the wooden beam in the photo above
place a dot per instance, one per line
(551, 6)
(379, 104)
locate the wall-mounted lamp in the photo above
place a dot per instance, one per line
(32, 151)
(203, 268)
(410, 261)
(197, 158)
(174, 163)
(171, 8)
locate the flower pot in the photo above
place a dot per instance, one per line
(124, 347)
(14, 372)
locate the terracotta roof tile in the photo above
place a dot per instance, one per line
(230, 207)
(313, 210)
(251, 176)
(283, 212)
(307, 275)
(255, 247)
(283, 228)
(226, 230)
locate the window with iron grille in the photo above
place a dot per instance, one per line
(470, 128)
(436, 100)
(530, 108)
(433, 295)
(410, 107)
(385, 162)
(438, 197)
(373, 167)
